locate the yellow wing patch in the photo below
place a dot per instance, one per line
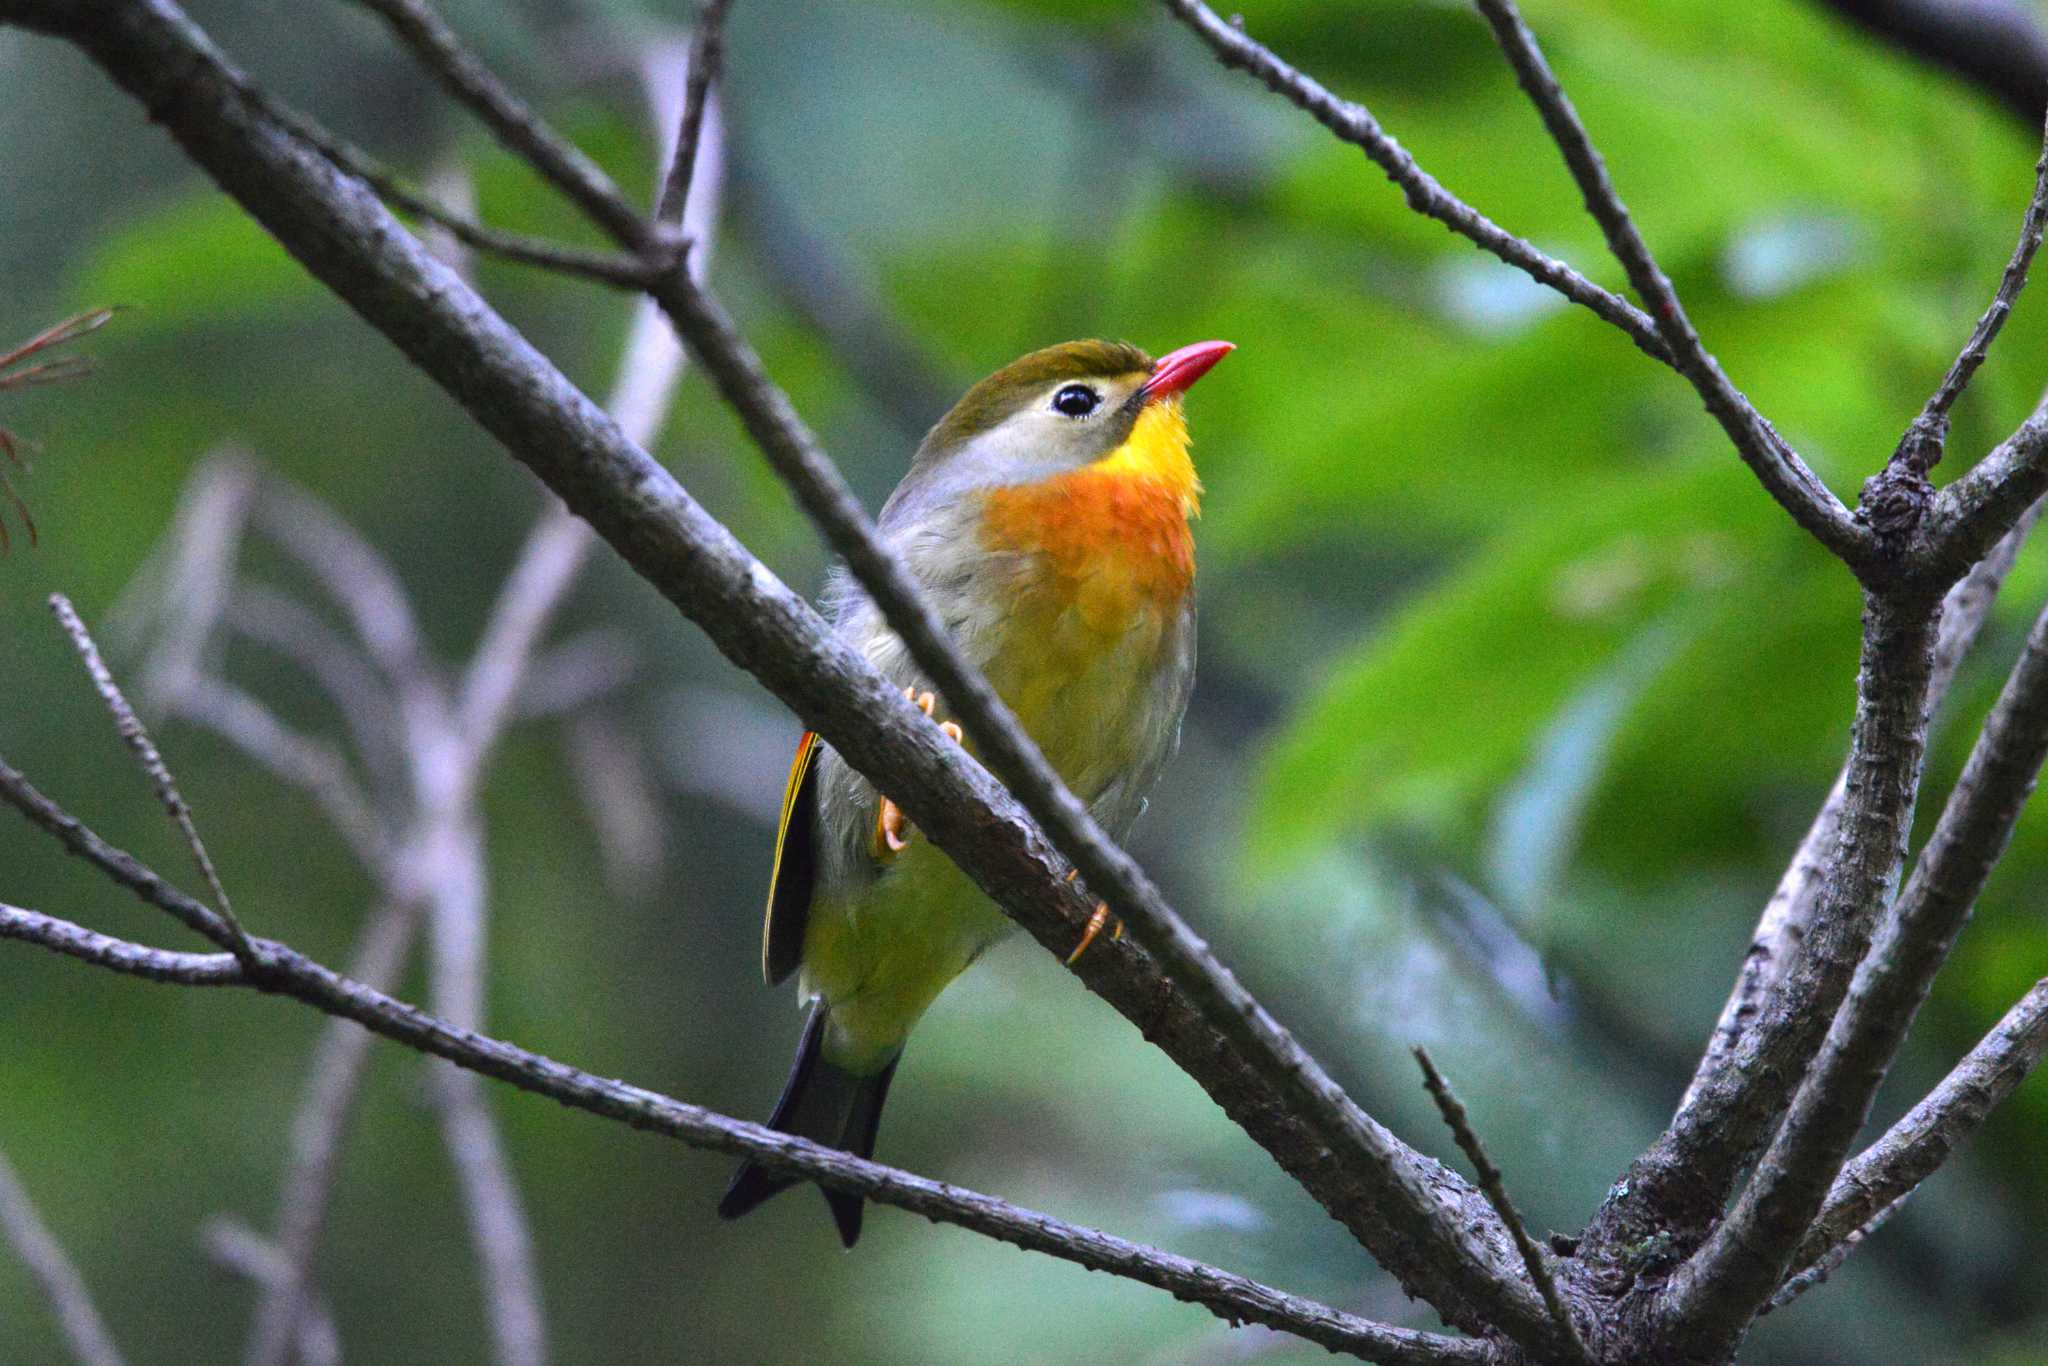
(791, 880)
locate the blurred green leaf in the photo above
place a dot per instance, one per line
(1448, 698)
(199, 258)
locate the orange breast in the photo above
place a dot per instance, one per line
(1113, 536)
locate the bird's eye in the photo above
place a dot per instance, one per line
(1076, 400)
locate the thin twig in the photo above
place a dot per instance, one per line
(1231, 1297)
(84, 1331)
(1829, 1262)
(1491, 1181)
(152, 763)
(707, 57)
(449, 864)
(523, 133)
(448, 855)
(607, 268)
(1913, 1149)
(352, 571)
(1783, 474)
(296, 759)
(57, 334)
(286, 1310)
(292, 631)
(187, 578)
(579, 672)
(650, 369)
(80, 840)
(1926, 437)
(1788, 915)
(237, 1248)
(1355, 124)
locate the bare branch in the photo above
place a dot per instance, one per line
(293, 758)
(1746, 1259)
(609, 768)
(449, 865)
(1891, 1169)
(1922, 445)
(1683, 1180)
(1968, 515)
(515, 125)
(298, 635)
(1491, 1181)
(1789, 914)
(707, 57)
(584, 669)
(70, 832)
(237, 1248)
(84, 1331)
(1425, 1222)
(1230, 1297)
(136, 960)
(186, 576)
(1355, 124)
(1828, 1263)
(648, 374)
(152, 762)
(287, 1310)
(1797, 489)
(351, 571)
(606, 268)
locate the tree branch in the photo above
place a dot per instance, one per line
(1891, 1169)
(1788, 916)
(1924, 440)
(289, 973)
(606, 268)
(1432, 1228)
(83, 1329)
(707, 57)
(522, 132)
(1495, 1186)
(152, 762)
(1355, 124)
(1678, 1186)
(237, 1248)
(284, 1312)
(1783, 474)
(1746, 1259)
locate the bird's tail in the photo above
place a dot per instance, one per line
(826, 1104)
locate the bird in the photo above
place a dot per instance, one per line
(1047, 519)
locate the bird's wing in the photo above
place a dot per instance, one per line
(796, 866)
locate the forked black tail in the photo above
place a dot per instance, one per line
(827, 1105)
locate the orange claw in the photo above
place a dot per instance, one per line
(890, 837)
(1095, 924)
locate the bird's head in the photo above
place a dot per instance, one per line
(1058, 410)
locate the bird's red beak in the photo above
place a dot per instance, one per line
(1173, 372)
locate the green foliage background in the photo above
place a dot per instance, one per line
(1516, 691)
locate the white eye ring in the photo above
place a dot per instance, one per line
(1076, 401)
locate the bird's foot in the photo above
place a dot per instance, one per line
(1095, 923)
(892, 831)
